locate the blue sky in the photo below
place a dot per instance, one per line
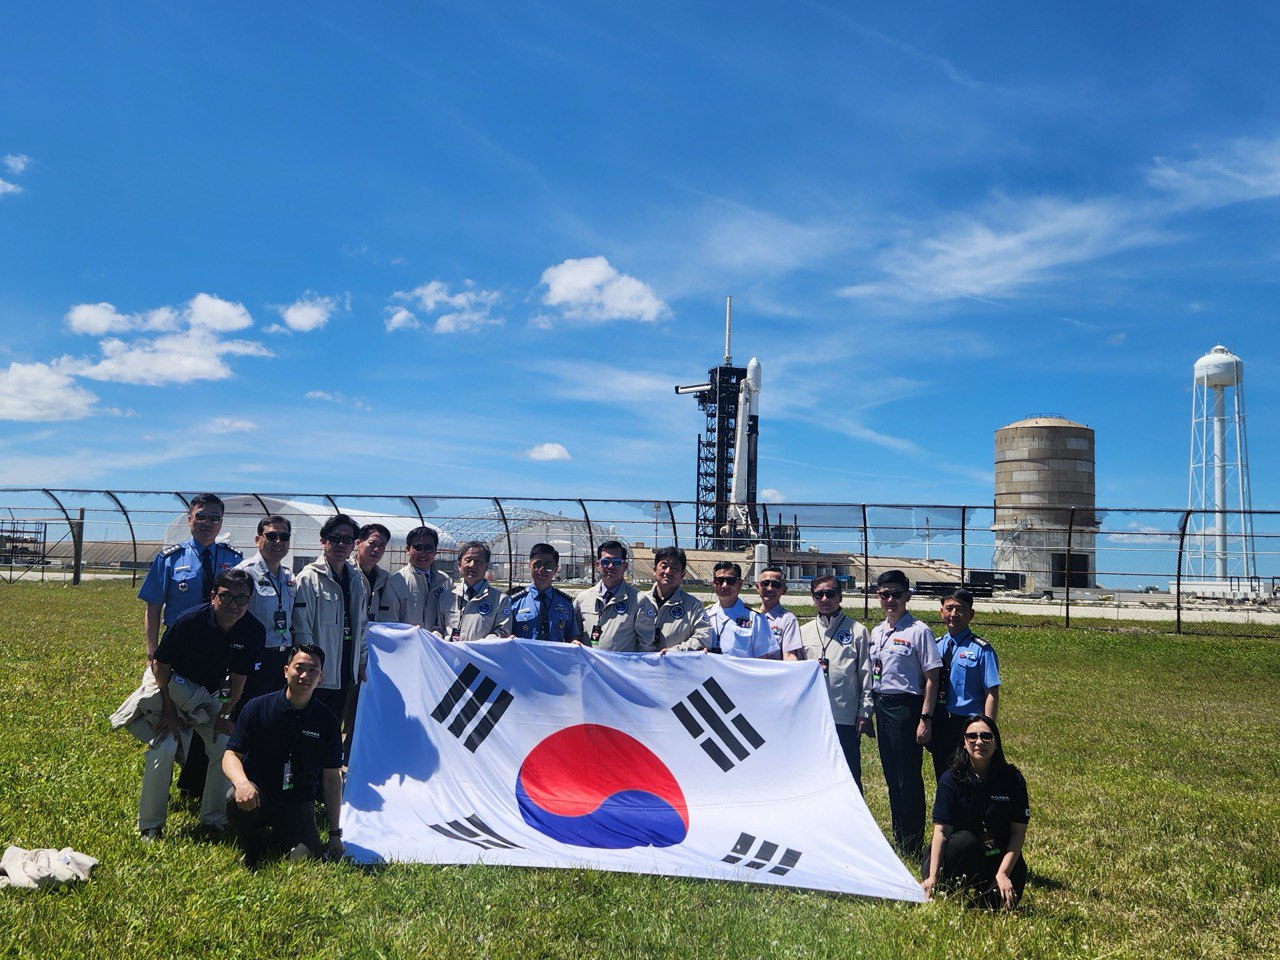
(469, 248)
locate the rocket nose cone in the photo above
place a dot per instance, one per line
(753, 373)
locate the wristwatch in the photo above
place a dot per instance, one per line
(335, 831)
(926, 716)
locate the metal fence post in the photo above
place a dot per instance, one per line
(511, 562)
(963, 524)
(1071, 524)
(591, 539)
(1177, 600)
(866, 566)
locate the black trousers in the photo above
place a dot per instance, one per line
(897, 716)
(945, 740)
(967, 862)
(274, 826)
(851, 744)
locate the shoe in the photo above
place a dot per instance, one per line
(150, 834)
(211, 832)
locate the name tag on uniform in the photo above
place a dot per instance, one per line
(313, 734)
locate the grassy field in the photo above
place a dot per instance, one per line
(1152, 761)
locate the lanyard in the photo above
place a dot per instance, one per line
(826, 641)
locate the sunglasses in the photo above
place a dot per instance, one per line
(892, 594)
(340, 541)
(209, 517)
(239, 599)
(726, 581)
(826, 594)
(543, 566)
(611, 562)
(274, 537)
(986, 736)
(771, 584)
(423, 547)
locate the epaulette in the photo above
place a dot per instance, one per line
(980, 642)
(520, 594)
(560, 593)
(170, 550)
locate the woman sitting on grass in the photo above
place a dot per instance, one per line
(980, 815)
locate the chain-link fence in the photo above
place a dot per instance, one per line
(1061, 566)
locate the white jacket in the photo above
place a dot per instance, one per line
(413, 597)
(317, 618)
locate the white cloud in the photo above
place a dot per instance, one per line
(7, 188)
(591, 289)
(16, 162)
(1245, 170)
(1116, 339)
(212, 313)
(1010, 247)
(770, 495)
(548, 451)
(230, 425)
(309, 312)
(358, 403)
(465, 311)
(38, 391)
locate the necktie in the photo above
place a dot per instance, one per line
(544, 617)
(206, 567)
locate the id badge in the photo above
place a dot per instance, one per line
(287, 779)
(281, 623)
(825, 664)
(346, 633)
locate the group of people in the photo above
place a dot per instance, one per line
(266, 669)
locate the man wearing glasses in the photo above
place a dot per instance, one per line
(540, 611)
(204, 652)
(418, 593)
(371, 544)
(479, 608)
(735, 630)
(681, 621)
(611, 613)
(842, 647)
(771, 587)
(904, 677)
(181, 576)
(330, 612)
(272, 602)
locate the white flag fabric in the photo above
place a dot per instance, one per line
(541, 754)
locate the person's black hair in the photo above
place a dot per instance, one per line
(336, 521)
(310, 649)
(233, 578)
(368, 528)
(778, 570)
(275, 518)
(545, 550)
(817, 582)
(960, 595)
(204, 500)
(893, 578)
(727, 565)
(962, 767)
(475, 545)
(611, 545)
(422, 533)
(669, 554)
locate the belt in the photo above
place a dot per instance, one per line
(898, 696)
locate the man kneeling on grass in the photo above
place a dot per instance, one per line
(284, 745)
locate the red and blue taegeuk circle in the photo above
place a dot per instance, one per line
(593, 786)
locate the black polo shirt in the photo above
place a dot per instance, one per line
(985, 807)
(270, 732)
(198, 649)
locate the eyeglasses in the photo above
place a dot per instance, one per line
(771, 584)
(274, 537)
(209, 517)
(422, 547)
(892, 594)
(340, 541)
(544, 566)
(986, 736)
(826, 594)
(239, 599)
(611, 562)
(725, 581)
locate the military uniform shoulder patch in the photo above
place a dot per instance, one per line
(986, 645)
(170, 550)
(520, 594)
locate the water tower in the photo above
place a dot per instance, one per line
(1219, 544)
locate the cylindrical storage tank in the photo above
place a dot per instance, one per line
(1044, 467)
(1219, 368)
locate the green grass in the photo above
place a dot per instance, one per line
(1152, 761)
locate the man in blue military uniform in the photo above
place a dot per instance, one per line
(540, 611)
(970, 682)
(180, 578)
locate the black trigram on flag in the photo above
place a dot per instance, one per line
(475, 831)
(712, 726)
(473, 702)
(766, 854)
